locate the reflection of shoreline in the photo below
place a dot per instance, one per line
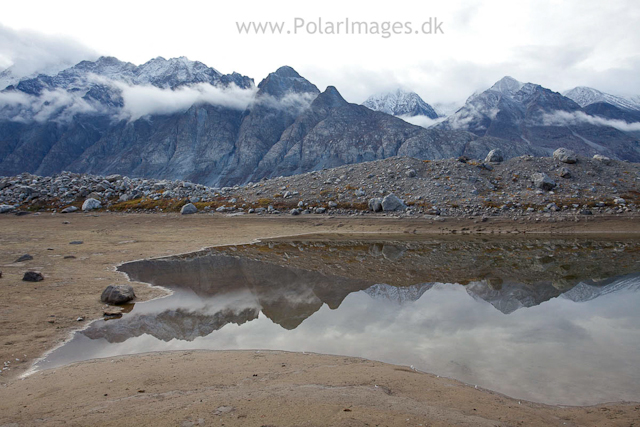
(564, 262)
(289, 295)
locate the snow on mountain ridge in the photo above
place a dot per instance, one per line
(400, 103)
(584, 96)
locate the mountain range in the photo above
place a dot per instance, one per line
(180, 119)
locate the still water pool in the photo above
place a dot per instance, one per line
(549, 320)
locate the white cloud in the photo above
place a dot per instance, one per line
(423, 121)
(565, 118)
(297, 102)
(26, 53)
(140, 101)
(58, 105)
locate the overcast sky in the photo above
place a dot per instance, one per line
(559, 44)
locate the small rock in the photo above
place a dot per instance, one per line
(76, 242)
(411, 173)
(494, 156)
(69, 209)
(619, 201)
(565, 173)
(25, 257)
(603, 159)
(188, 209)
(565, 155)
(332, 205)
(585, 212)
(294, 211)
(32, 276)
(117, 294)
(6, 208)
(542, 181)
(91, 204)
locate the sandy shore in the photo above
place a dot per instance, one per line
(193, 387)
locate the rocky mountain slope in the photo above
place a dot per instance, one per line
(529, 115)
(522, 187)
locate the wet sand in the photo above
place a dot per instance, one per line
(183, 388)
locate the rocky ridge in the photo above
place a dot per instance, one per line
(521, 186)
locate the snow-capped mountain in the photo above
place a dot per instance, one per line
(585, 96)
(400, 103)
(159, 72)
(536, 120)
(78, 120)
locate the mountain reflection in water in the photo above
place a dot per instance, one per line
(548, 320)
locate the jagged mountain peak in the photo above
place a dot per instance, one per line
(400, 103)
(285, 80)
(329, 99)
(507, 86)
(287, 71)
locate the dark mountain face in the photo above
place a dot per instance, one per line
(288, 127)
(532, 116)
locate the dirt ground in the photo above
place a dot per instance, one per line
(224, 388)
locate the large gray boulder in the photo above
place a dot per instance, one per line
(91, 204)
(494, 156)
(543, 181)
(6, 208)
(188, 209)
(565, 155)
(117, 294)
(375, 204)
(391, 203)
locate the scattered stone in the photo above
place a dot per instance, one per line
(69, 209)
(619, 201)
(410, 173)
(188, 209)
(117, 294)
(375, 204)
(602, 159)
(76, 242)
(565, 155)
(392, 203)
(585, 212)
(91, 204)
(294, 211)
(564, 173)
(543, 181)
(494, 156)
(332, 204)
(25, 257)
(33, 276)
